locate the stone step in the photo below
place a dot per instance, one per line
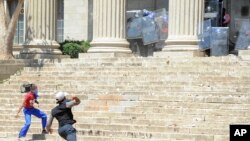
(43, 84)
(83, 92)
(111, 85)
(149, 71)
(125, 94)
(152, 77)
(142, 64)
(139, 119)
(154, 97)
(155, 59)
(139, 77)
(179, 99)
(131, 65)
(122, 106)
(153, 112)
(124, 129)
(95, 135)
(185, 123)
(133, 85)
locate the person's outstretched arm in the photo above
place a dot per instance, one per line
(73, 102)
(20, 108)
(49, 123)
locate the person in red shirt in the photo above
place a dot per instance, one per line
(29, 109)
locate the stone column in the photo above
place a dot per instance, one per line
(109, 27)
(185, 20)
(41, 27)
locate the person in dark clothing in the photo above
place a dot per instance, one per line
(62, 112)
(224, 18)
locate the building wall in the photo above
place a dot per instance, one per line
(78, 16)
(76, 19)
(147, 4)
(140, 4)
(162, 4)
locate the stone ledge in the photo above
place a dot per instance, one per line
(104, 55)
(40, 56)
(244, 54)
(179, 54)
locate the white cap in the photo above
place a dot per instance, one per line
(60, 96)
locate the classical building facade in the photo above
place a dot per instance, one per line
(45, 23)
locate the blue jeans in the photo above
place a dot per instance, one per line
(68, 132)
(27, 113)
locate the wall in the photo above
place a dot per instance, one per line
(78, 16)
(10, 67)
(147, 4)
(76, 19)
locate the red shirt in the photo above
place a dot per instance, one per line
(29, 100)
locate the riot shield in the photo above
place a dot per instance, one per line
(161, 19)
(134, 28)
(205, 36)
(243, 40)
(150, 31)
(219, 41)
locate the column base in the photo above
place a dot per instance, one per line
(180, 51)
(109, 46)
(181, 48)
(40, 49)
(105, 55)
(244, 54)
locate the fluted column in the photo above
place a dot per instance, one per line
(109, 27)
(185, 19)
(41, 27)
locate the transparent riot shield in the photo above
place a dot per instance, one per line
(219, 41)
(134, 25)
(243, 40)
(205, 36)
(161, 19)
(134, 28)
(150, 31)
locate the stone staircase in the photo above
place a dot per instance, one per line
(137, 99)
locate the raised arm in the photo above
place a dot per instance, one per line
(74, 101)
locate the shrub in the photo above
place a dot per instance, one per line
(73, 48)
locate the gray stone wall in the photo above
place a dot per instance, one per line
(76, 19)
(10, 67)
(147, 4)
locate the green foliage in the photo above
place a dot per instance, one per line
(73, 48)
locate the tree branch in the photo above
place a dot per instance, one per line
(12, 26)
(7, 15)
(2, 15)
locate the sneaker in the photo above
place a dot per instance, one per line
(44, 132)
(21, 139)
